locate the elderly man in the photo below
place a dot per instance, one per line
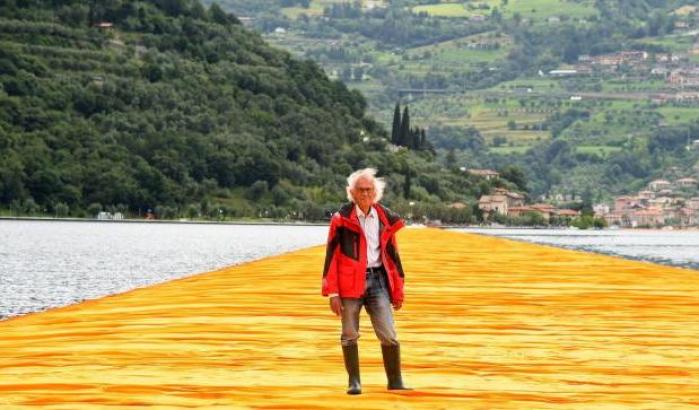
(362, 268)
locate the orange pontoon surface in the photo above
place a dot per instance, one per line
(488, 323)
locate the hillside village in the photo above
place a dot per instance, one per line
(661, 203)
(511, 204)
(678, 71)
(502, 202)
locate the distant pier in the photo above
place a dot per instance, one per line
(488, 323)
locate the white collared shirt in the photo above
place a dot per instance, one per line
(370, 226)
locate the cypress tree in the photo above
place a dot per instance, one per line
(407, 185)
(404, 133)
(451, 159)
(92, 13)
(425, 144)
(395, 131)
(415, 139)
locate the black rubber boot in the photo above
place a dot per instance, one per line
(391, 362)
(351, 355)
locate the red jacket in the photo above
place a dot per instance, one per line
(346, 257)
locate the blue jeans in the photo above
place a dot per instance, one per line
(378, 305)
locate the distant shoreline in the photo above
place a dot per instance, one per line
(159, 221)
(564, 228)
(302, 223)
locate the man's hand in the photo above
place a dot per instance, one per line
(397, 305)
(336, 305)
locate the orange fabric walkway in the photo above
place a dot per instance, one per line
(488, 324)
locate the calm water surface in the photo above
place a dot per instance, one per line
(46, 264)
(678, 247)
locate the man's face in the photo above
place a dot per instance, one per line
(363, 192)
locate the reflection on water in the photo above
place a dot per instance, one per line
(46, 264)
(678, 248)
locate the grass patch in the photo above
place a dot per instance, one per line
(530, 9)
(453, 55)
(471, 55)
(620, 86)
(444, 10)
(314, 9)
(672, 43)
(599, 150)
(678, 115)
(536, 84)
(517, 150)
(294, 12)
(539, 9)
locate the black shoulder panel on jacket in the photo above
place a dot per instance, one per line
(349, 242)
(346, 209)
(390, 215)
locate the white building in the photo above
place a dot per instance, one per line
(108, 216)
(485, 173)
(601, 209)
(659, 185)
(686, 182)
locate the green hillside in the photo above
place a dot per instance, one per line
(181, 108)
(171, 106)
(490, 66)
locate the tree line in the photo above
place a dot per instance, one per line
(402, 134)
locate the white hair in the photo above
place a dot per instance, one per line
(370, 174)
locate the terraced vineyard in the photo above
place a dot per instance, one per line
(449, 63)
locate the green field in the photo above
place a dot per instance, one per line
(489, 117)
(444, 10)
(315, 9)
(678, 115)
(599, 150)
(295, 12)
(486, 47)
(611, 122)
(633, 85)
(529, 9)
(509, 150)
(537, 9)
(673, 43)
(537, 84)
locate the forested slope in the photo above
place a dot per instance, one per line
(580, 95)
(172, 106)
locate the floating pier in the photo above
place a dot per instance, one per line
(488, 323)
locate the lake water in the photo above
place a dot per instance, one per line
(678, 247)
(46, 264)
